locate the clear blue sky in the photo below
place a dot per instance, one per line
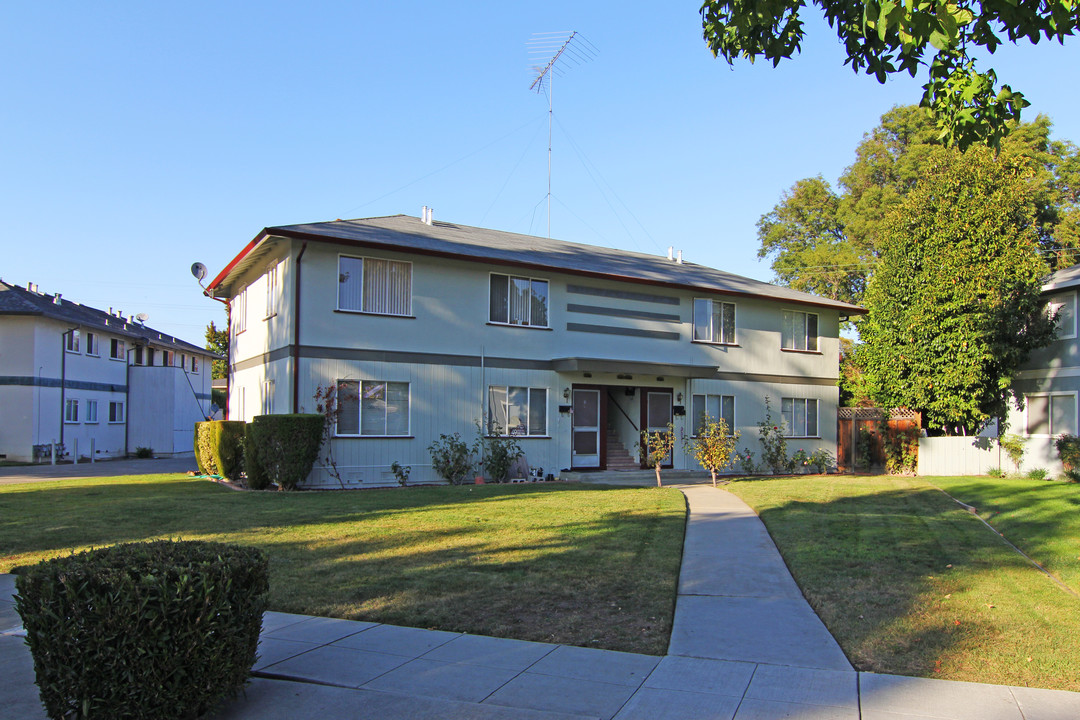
(137, 138)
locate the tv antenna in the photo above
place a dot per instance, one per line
(546, 52)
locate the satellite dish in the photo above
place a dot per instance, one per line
(142, 317)
(198, 270)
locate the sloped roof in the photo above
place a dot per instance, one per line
(1063, 278)
(16, 300)
(443, 239)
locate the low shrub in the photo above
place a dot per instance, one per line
(996, 472)
(204, 455)
(451, 458)
(227, 447)
(821, 460)
(1013, 445)
(143, 630)
(144, 453)
(1068, 448)
(1037, 474)
(500, 454)
(773, 439)
(286, 446)
(401, 473)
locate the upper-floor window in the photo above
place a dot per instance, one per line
(239, 312)
(518, 301)
(517, 410)
(374, 285)
(1051, 414)
(195, 363)
(373, 407)
(71, 341)
(167, 358)
(138, 355)
(116, 349)
(800, 331)
(714, 321)
(271, 290)
(1063, 307)
(91, 344)
(800, 417)
(715, 407)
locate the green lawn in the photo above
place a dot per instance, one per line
(910, 583)
(571, 564)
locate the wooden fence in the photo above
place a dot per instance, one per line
(852, 424)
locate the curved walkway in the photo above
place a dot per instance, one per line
(745, 646)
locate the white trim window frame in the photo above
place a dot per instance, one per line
(271, 291)
(116, 412)
(71, 341)
(723, 404)
(92, 345)
(117, 349)
(194, 364)
(91, 412)
(799, 331)
(268, 397)
(714, 321)
(168, 357)
(800, 417)
(1063, 307)
(517, 411)
(239, 312)
(373, 408)
(1050, 414)
(519, 301)
(374, 286)
(71, 411)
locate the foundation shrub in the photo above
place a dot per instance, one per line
(286, 446)
(204, 455)
(143, 630)
(227, 447)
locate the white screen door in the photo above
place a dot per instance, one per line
(586, 429)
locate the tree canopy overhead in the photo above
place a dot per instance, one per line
(883, 37)
(826, 240)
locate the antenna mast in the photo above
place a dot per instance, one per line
(552, 47)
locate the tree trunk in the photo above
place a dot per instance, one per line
(658, 483)
(713, 477)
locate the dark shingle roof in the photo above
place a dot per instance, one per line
(1063, 278)
(410, 234)
(15, 300)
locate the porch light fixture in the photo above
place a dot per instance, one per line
(678, 397)
(566, 394)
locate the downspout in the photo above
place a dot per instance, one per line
(296, 334)
(63, 378)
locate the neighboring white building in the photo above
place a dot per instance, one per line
(431, 327)
(1050, 380)
(93, 381)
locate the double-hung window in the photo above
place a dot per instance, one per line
(91, 411)
(1063, 307)
(71, 341)
(1052, 414)
(713, 407)
(71, 411)
(374, 285)
(800, 331)
(195, 364)
(517, 300)
(91, 344)
(518, 411)
(116, 412)
(373, 408)
(239, 312)
(268, 397)
(800, 417)
(167, 358)
(714, 321)
(116, 349)
(271, 290)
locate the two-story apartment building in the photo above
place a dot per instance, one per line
(431, 328)
(1050, 380)
(95, 382)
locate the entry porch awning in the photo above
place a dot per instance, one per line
(632, 367)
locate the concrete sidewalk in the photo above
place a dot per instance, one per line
(727, 660)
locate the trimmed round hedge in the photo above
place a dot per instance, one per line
(143, 630)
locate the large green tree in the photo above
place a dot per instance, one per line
(954, 303)
(218, 341)
(826, 242)
(884, 37)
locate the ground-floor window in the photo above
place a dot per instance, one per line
(1051, 414)
(91, 411)
(71, 411)
(716, 407)
(373, 408)
(517, 411)
(116, 412)
(800, 417)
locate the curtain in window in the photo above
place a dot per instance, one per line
(373, 408)
(519, 301)
(348, 402)
(728, 323)
(538, 411)
(539, 303)
(497, 410)
(517, 411)
(350, 280)
(811, 331)
(811, 418)
(787, 411)
(397, 408)
(702, 319)
(500, 299)
(727, 411)
(718, 323)
(376, 286)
